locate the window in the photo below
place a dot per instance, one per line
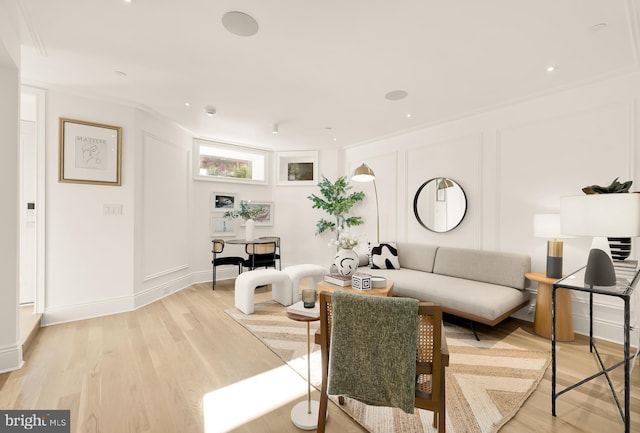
(229, 163)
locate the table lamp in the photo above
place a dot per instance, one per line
(601, 216)
(548, 226)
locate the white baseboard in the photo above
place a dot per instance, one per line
(11, 358)
(159, 291)
(72, 313)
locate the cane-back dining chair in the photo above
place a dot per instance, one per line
(432, 356)
(260, 255)
(218, 248)
(276, 239)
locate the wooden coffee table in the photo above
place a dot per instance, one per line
(324, 286)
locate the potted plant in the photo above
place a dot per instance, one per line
(337, 201)
(247, 213)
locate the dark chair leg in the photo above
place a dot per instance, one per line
(473, 329)
(213, 283)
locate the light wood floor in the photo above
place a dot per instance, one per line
(148, 370)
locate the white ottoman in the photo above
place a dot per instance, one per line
(247, 282)
(298, 272)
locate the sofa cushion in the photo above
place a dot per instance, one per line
(504, 269)
(384, 256)
(419, 257)
(476, 298)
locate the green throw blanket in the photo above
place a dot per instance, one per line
(373, 349)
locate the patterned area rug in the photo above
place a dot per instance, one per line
(487, 381)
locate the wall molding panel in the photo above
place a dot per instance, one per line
(166, 272)
(166, 192)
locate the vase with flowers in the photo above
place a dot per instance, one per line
(346, 259)
(247, 212)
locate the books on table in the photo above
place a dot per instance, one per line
(338, 280)
(299, 308)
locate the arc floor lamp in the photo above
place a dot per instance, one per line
(365, 174)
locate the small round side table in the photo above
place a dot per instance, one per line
(564, 312)
(304, 414)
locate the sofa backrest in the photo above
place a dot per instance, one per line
(505, 269)
(419, 257)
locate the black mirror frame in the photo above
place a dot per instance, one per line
(415, 205)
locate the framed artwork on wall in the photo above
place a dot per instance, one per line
(222, 201)
(297, 168)
(265, 217)
(220, 226)
(89, 152)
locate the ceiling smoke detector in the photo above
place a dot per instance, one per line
(210, 111)
(396, 95)
(239, 23)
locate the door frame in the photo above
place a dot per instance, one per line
(40, 95)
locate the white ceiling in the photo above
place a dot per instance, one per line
(320, 69)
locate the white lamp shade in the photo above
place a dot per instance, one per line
(610, 215)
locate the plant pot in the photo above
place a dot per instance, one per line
(346, 261)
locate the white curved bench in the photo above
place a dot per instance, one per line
(247, 282)
(297, 272)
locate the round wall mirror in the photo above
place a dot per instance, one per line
(440, 204)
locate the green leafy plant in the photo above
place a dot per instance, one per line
(245, 212)
(336, 200)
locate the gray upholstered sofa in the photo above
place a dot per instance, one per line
(482, 286)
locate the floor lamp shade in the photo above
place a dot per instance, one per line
(365, 174)
(548, 226)
(601, 216)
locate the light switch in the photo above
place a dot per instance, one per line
(112, 209)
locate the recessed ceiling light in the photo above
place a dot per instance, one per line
(408, 115)
(396, 95)
(239, 23)
(551, 68)
(186, 104)
(275, 129)
(210, 111)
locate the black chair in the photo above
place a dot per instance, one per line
(262, 255)
(276, 239)
(218, 247)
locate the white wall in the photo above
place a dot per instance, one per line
(512, 163)
(89, 254)
(10, 349)
(163, 221)
(101, 264)
(294, 219)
